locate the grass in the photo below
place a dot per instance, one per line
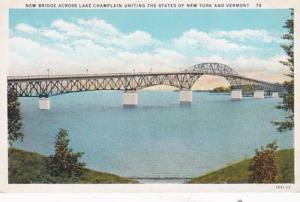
(238, 172)
(28, 167)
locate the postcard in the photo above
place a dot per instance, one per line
(149, 96)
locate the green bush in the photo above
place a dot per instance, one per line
(264, 167)
(65, 163)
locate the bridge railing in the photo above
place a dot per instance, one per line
(81, 76)
(55, 76)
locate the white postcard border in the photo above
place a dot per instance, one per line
(135, 188)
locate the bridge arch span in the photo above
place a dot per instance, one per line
(191, 75)
(213, 69)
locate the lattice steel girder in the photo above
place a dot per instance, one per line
(239, 82)
(212, 68)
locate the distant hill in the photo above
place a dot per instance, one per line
(28, 167)
(238, 172)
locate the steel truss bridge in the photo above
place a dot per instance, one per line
(51, 85)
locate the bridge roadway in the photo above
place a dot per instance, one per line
(45, 86)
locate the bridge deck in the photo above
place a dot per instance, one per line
(50, 85)
(107, 75)
(84, 76)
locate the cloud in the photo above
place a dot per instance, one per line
(158, 60)
(197, 39)
(103, 33)
(106, 35)
(35, 57)
(71, 29)
(25, 28)
(135, 39)
(30, 48)
(48, 33)
(30, 57)
(64, 26)
(248, 34)
(99, 25)
(53, 34)
(74, 46)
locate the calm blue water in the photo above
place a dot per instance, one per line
(159, 137)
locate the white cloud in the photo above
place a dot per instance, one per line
(103, 33)
(198, 39)
(134, 40)
(30, 57)
(49, 33)
(28, 54)
(213, 58)
(248, 34)
(53, 34)
(71, 29)
(100, 47)
(63, 25)
(158, 60)
(35, 58)
(25, 28)
(99, 25)
(30, 48)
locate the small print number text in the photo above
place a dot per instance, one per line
(283, 187)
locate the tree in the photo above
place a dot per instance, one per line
(247, 88)
(220, 89)
(65, 163)
(14, 117)
(288, 98)
(264, 167)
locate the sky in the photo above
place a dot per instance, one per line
(71, 41)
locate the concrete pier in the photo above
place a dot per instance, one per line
(44, 103)
(275, 95)
(130, 98)
(236, 94)
(259, 94)
(185, 96)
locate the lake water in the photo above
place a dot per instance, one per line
(158, 138)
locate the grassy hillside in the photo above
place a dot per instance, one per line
(238, 172)
(28, 167)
